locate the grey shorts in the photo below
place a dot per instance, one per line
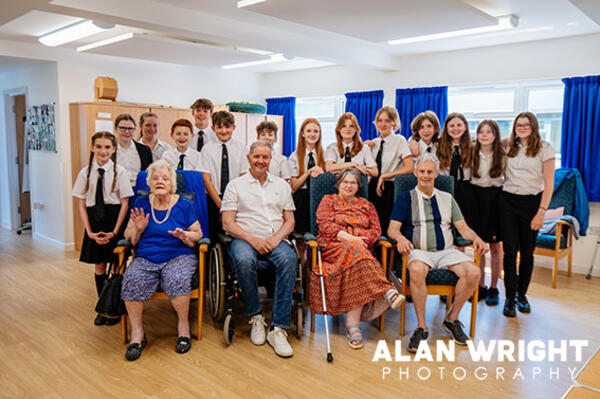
(439, 259)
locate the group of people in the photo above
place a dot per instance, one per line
(259, 197)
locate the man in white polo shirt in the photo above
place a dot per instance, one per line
(258, 212)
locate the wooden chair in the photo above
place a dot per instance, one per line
(197, 284)
(319, 187)
(560, 244)
(438, 281)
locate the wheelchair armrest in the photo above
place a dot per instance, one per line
(124, 243)
(309, 237)
(384, 242)
(204, 240)
(461, 242)
(296, 236)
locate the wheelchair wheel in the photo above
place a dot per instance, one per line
(216, 282)
(228, 328)
(299, 322)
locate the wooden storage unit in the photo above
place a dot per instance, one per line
(84, 117)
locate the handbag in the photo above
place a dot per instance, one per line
(110, 304)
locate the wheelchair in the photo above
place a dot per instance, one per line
(224, 289)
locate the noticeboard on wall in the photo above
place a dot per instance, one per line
(40, 127)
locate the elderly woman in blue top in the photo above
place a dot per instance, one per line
(164, 228)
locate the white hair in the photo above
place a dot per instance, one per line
(162, 164)
(428, 157)
(260, 143)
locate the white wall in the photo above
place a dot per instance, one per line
(41, 87)
(140, 82)
(546, 59)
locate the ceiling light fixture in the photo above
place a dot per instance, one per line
(246, 3)
(72, 32)
(272, 59)
(505, 22)
(106, 42)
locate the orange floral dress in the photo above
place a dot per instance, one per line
(352, 276)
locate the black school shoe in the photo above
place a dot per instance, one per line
(183, 344)
(99, 320)
(481, 295)
(455, 329)
(509, 308)
(523, 304)
(418, 335)
(111, 321)
(492, 297)
(134, 351)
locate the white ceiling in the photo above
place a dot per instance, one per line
(310, 33)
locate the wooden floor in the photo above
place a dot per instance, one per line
(49, 347)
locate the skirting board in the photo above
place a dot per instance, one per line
(55, 243)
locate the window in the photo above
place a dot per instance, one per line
(326, 110)
(503, 102)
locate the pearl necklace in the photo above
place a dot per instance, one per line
(166, 216)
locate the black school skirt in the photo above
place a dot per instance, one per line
(302, 212)
(93, 253)
(384, 204)
(465, 198)
(487, 220)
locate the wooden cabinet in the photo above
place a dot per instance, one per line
(86, 118)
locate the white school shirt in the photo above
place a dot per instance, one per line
(191, 160)
(364, 157)
(159, 149)
(210, 160)
(395, 150)
(259, 208)
(280, 166)
(130, 160)
(122, 187)
(295, 169)
(209, 136)
(485, 162)
(524, 175)
(446, 171)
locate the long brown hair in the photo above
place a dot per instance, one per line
(301, 146)
(415, 125)
(113, 140)
(498, 157)
(357, 143)
(534, 142)
(445, 145)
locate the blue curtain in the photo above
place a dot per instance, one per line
(580, 138)
(411, 102)
(364, 105)
(285, 106)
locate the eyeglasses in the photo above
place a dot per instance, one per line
(522, 126)
(125, 129)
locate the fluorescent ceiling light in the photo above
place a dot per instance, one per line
(507, 22)
(274, 58)
(72, 32)
(507, 33)
(246, 3)
(253, 51)
(105, 42)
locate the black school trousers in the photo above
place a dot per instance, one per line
(516, 212)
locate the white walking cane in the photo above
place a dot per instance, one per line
(329, 355)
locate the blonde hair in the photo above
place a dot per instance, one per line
(392, 113)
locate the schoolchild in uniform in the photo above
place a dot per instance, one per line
(348, 150)
(183, 157)
(392, 157)
(203, 134)
(149, 135)
(220, 162)
(280, 167)
(426, 131)
(132, 155)
(454, 154)
(526, 194)
(103, 190)
(487, 166)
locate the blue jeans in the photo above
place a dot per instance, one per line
(244, 259)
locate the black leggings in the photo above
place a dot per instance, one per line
(516, 212)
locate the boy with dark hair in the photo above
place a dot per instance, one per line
(280, 167)
(221, 161)
(202, 110)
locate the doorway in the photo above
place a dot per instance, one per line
(22, 163)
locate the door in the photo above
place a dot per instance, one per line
(24, 202)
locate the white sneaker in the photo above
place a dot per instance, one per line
(277, 338)
(257, 334)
